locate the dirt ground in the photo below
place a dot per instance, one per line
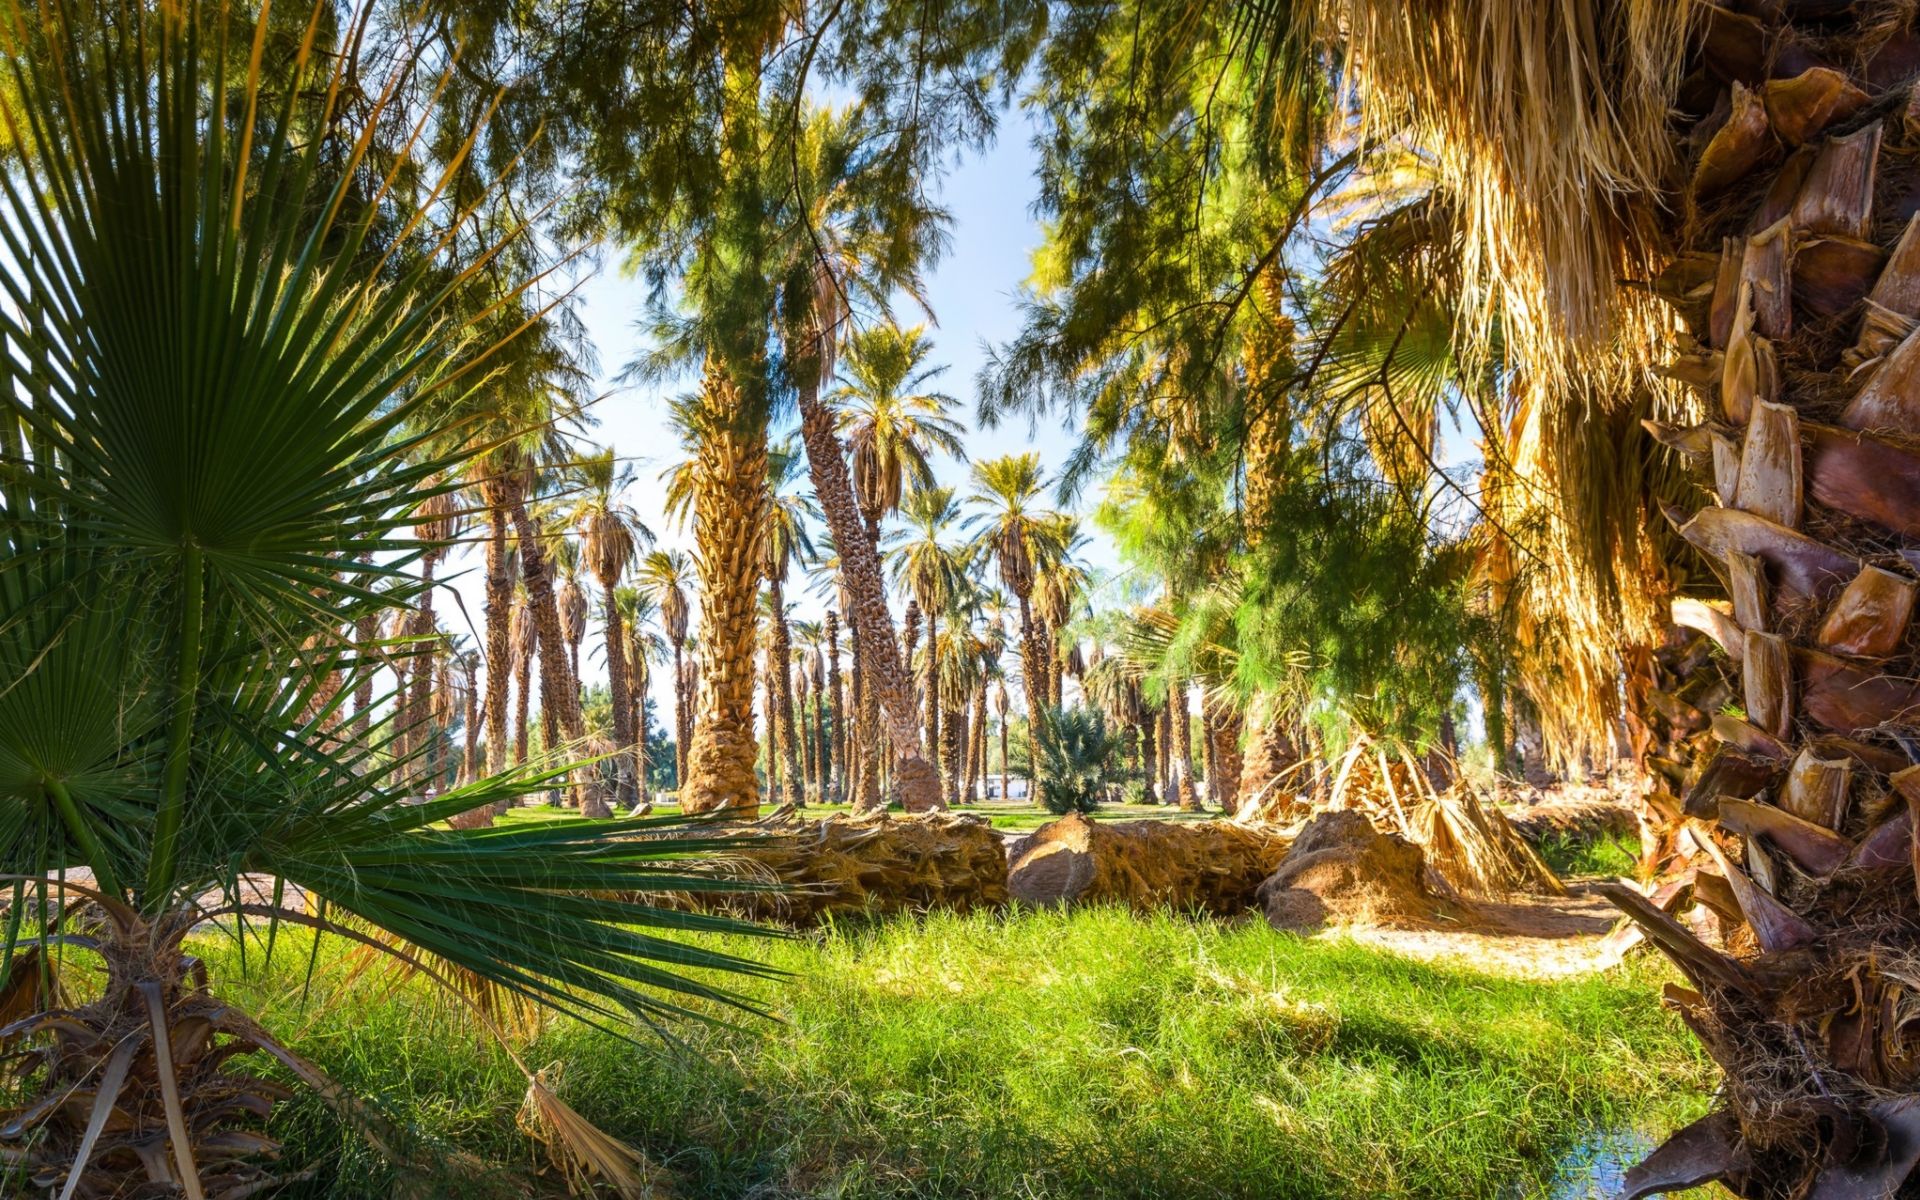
(1529, 937)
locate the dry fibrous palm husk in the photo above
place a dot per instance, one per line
(1211, 866)
(867, 864)
(1343, 870)
(1471, 843)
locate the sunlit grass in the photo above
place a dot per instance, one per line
(1043, 1055)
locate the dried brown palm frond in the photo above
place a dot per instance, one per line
(1532, 114)
(587, 1158)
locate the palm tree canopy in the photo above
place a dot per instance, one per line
(893, 422)
(1009, 523)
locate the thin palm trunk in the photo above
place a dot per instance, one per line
(867, 601)
(832, 784)
(1186, 793)
(499, 621)
(944, 772)
(629, 771)
(1149, 760)
(782, 703)
(681, 727)
(1033, 669)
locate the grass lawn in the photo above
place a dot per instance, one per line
(1091, 1053)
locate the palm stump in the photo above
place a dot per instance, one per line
(1797, 272)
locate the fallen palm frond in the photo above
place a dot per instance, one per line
(586, 1157)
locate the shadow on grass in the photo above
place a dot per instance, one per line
(1045, 1055)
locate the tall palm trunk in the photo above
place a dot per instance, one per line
(1035, 673)
(833, 782)
(499, 621)
(1149, 759)
(682, 729)
(808, 779)
(867, 601)
(1223, 724)
(470, 751)
(631, 768)
(782, 703)
(977, 752)
(525, 643)
(419, 729)
(943, 774)
(1814, 450)
(863, 759)
(1186, 794)
(730, 531)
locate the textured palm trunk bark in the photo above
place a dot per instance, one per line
(1270, 752)
(470, 720)
(730, 531)
(1033, 671)
(418, 722)
(1798, 272)
(867, 602)
(559, 698)
(782, 653)
(1185, 793)
(930, 697)
(1149, 759)
(833, 782)
(1225, 760)
(499, 621)
(681, 726)
(628, 770)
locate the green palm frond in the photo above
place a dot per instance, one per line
(219, 334)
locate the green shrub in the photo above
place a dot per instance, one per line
(1076, 755)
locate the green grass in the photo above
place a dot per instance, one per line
(1036, 1055)
(1608, 854)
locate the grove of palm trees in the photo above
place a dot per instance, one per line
(1280, 598)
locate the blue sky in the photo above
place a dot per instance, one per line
(973, 294)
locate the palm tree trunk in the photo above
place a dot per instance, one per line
(499, 621)
(1812, 794)
(867, 601)
(628, 769)
(1034, 672)
(833, 784)
(1185, 793)
(523, 686)
(680, 723)
(470, 753)
(730, 530)
(1149, 759)
(420, 698)
(943, 775)
(558, 695)
(808, 781)
(1223, 771)
(783, 678)
(1004, 772)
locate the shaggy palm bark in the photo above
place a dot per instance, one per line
(886, 675)
(1799, 274)
(499, 621)
(1149, 759)
(930, 694)
(781, 653)
(524, 646)
(1184, 793)
(558, 694)
(1224, 763)
(730, 533)
(1033, 674)
(470, 720)
(832, 782)
(631, 745)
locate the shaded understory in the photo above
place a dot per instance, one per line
(1040, 1055)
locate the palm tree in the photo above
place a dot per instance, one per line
(892, 422)
(665, 576)
(787, 541)
(611, 537)
(525, 644)
(932, 571)
(644, 645)
(1023, 539)
(160, 573)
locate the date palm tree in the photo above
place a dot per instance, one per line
(894, 424)
(1023, 539)
(611, 538)
(931, 568)
(790, 507)
(665, 577)
(163, 578)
